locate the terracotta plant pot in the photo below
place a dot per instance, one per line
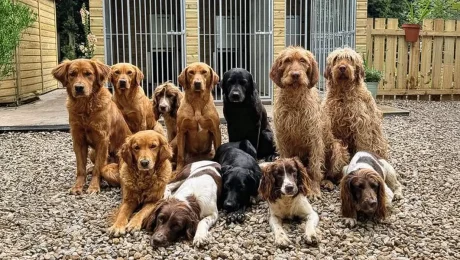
(412, 32)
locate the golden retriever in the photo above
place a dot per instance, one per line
(197, 117)
(144, 172)
(130, 98)
(95, 121)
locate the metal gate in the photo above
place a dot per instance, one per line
(321, 26)
(148, 34)
(238, 33)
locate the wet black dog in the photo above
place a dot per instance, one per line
(240, 177)
(245, 115)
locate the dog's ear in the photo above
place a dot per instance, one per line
(381, 211)
(149, 222)
(346, 196)
(226, 168)
(102, 71)
(192, 224)
(175, 104)
(214, 78)
(112, 77)
(182, 79)
(328, 71)
(125, 152)
(267, 183)
(303, 180)
(60, 72)
(359, 72)
(313, 73)
(276, 73)
(139, 77)
(165, 152)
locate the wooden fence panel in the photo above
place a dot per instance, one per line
(430, 66)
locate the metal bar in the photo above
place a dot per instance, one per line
(157, 71)
(176, 46)
(240, 33)
(123, 29)
(130, 50)
(246, 42)
(165, 48)
(116, 28)
(220, 42)
(140, 41)
(161, 43)
(148, 60)
(135, 35)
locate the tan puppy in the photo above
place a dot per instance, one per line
(94, 119)
(130, 98)
(197, 117)
(144, 172)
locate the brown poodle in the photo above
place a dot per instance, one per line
(301, 128)
(355, 118)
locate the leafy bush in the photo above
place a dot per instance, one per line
(418, 10)
(371, 74)
(14, 18)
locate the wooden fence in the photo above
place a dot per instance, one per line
(430, 66)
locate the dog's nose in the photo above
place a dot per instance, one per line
(235, 95)
(197, 84)
(289, 188)
(229, 206)
(79, 88)
(162, 107)
(157, 240)
(295, 74)
(372, 203)
(122, 83)
(342, 68)
(145, 163)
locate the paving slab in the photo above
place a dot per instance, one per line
(49, 113)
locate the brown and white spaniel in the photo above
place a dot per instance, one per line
(368, 187)
(189, 207)
(285, 185)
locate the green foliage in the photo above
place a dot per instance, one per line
(386, 9)
(371, 74)
(14, 18)
(418, 11)
(89, 45)
(70, 27)
(444, 9)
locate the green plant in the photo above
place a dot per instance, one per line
(14, 18)
(88, 47)
(418, 10)
(371, 74)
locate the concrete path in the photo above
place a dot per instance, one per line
(50, 113)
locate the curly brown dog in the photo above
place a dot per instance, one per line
(197, 117)
(301, 128)
(356, 120)
(94, 119)
(131, 100)
(145, 171)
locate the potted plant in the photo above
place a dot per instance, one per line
(414, 18)
(372, 78)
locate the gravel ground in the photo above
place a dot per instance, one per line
(40, 220)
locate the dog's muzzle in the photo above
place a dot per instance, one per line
(122, 83)
(79, 89)
(197, 85)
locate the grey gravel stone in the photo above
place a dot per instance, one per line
(40, 220)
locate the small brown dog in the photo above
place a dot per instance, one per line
(301, 128)
(145, 171)
(94, 119)
(167, 99)
(356, 120)
(131, 99)
(197, 117)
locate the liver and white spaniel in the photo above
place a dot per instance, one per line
(368, 187)
(285, 185)
(189, 207)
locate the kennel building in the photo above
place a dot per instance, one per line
(162, 36)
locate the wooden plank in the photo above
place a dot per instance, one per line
(422, 33)
(427, 48)
(30, 81)
(403, 61)
(379, 48)
(414, 61)
(421, 92)
(30, 66)
(32, 3)
(5, 84)
(390, 61)
(7, 92)
(448, 66)
(457, 59)
(437, 54)
(369, 42)
(31, 73)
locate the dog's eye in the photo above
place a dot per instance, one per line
(130, 72)
(204, 71)
(73, 74)
(117, 72)
(169, 96)
(287, 60)
(374, 186)
(191, 72)
(136, 147)
(303, 60)
(244, 82)
(153, 146)
(361, 186)
(87, 74)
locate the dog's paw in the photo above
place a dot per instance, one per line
(116, 231)
(93, 189)
(76, 190)
(311, 238)
(235, 217)
(397, 196)
(133, 225)
(282, 240)
(200, 239)
(314, 196)
(327, 184)
(350, 222)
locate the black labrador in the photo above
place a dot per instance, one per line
(240, 177)
(245, 115)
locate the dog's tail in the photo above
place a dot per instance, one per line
(111, 174)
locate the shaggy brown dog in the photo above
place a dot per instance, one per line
(131, 100)
(301, 129)
(94, 119)
(197, 117)
(167, 99)
(355, 117)
(145, 171)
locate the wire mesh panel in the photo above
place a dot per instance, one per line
(148, 34)
(297, 23)
(333, 25)
(238, 34)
